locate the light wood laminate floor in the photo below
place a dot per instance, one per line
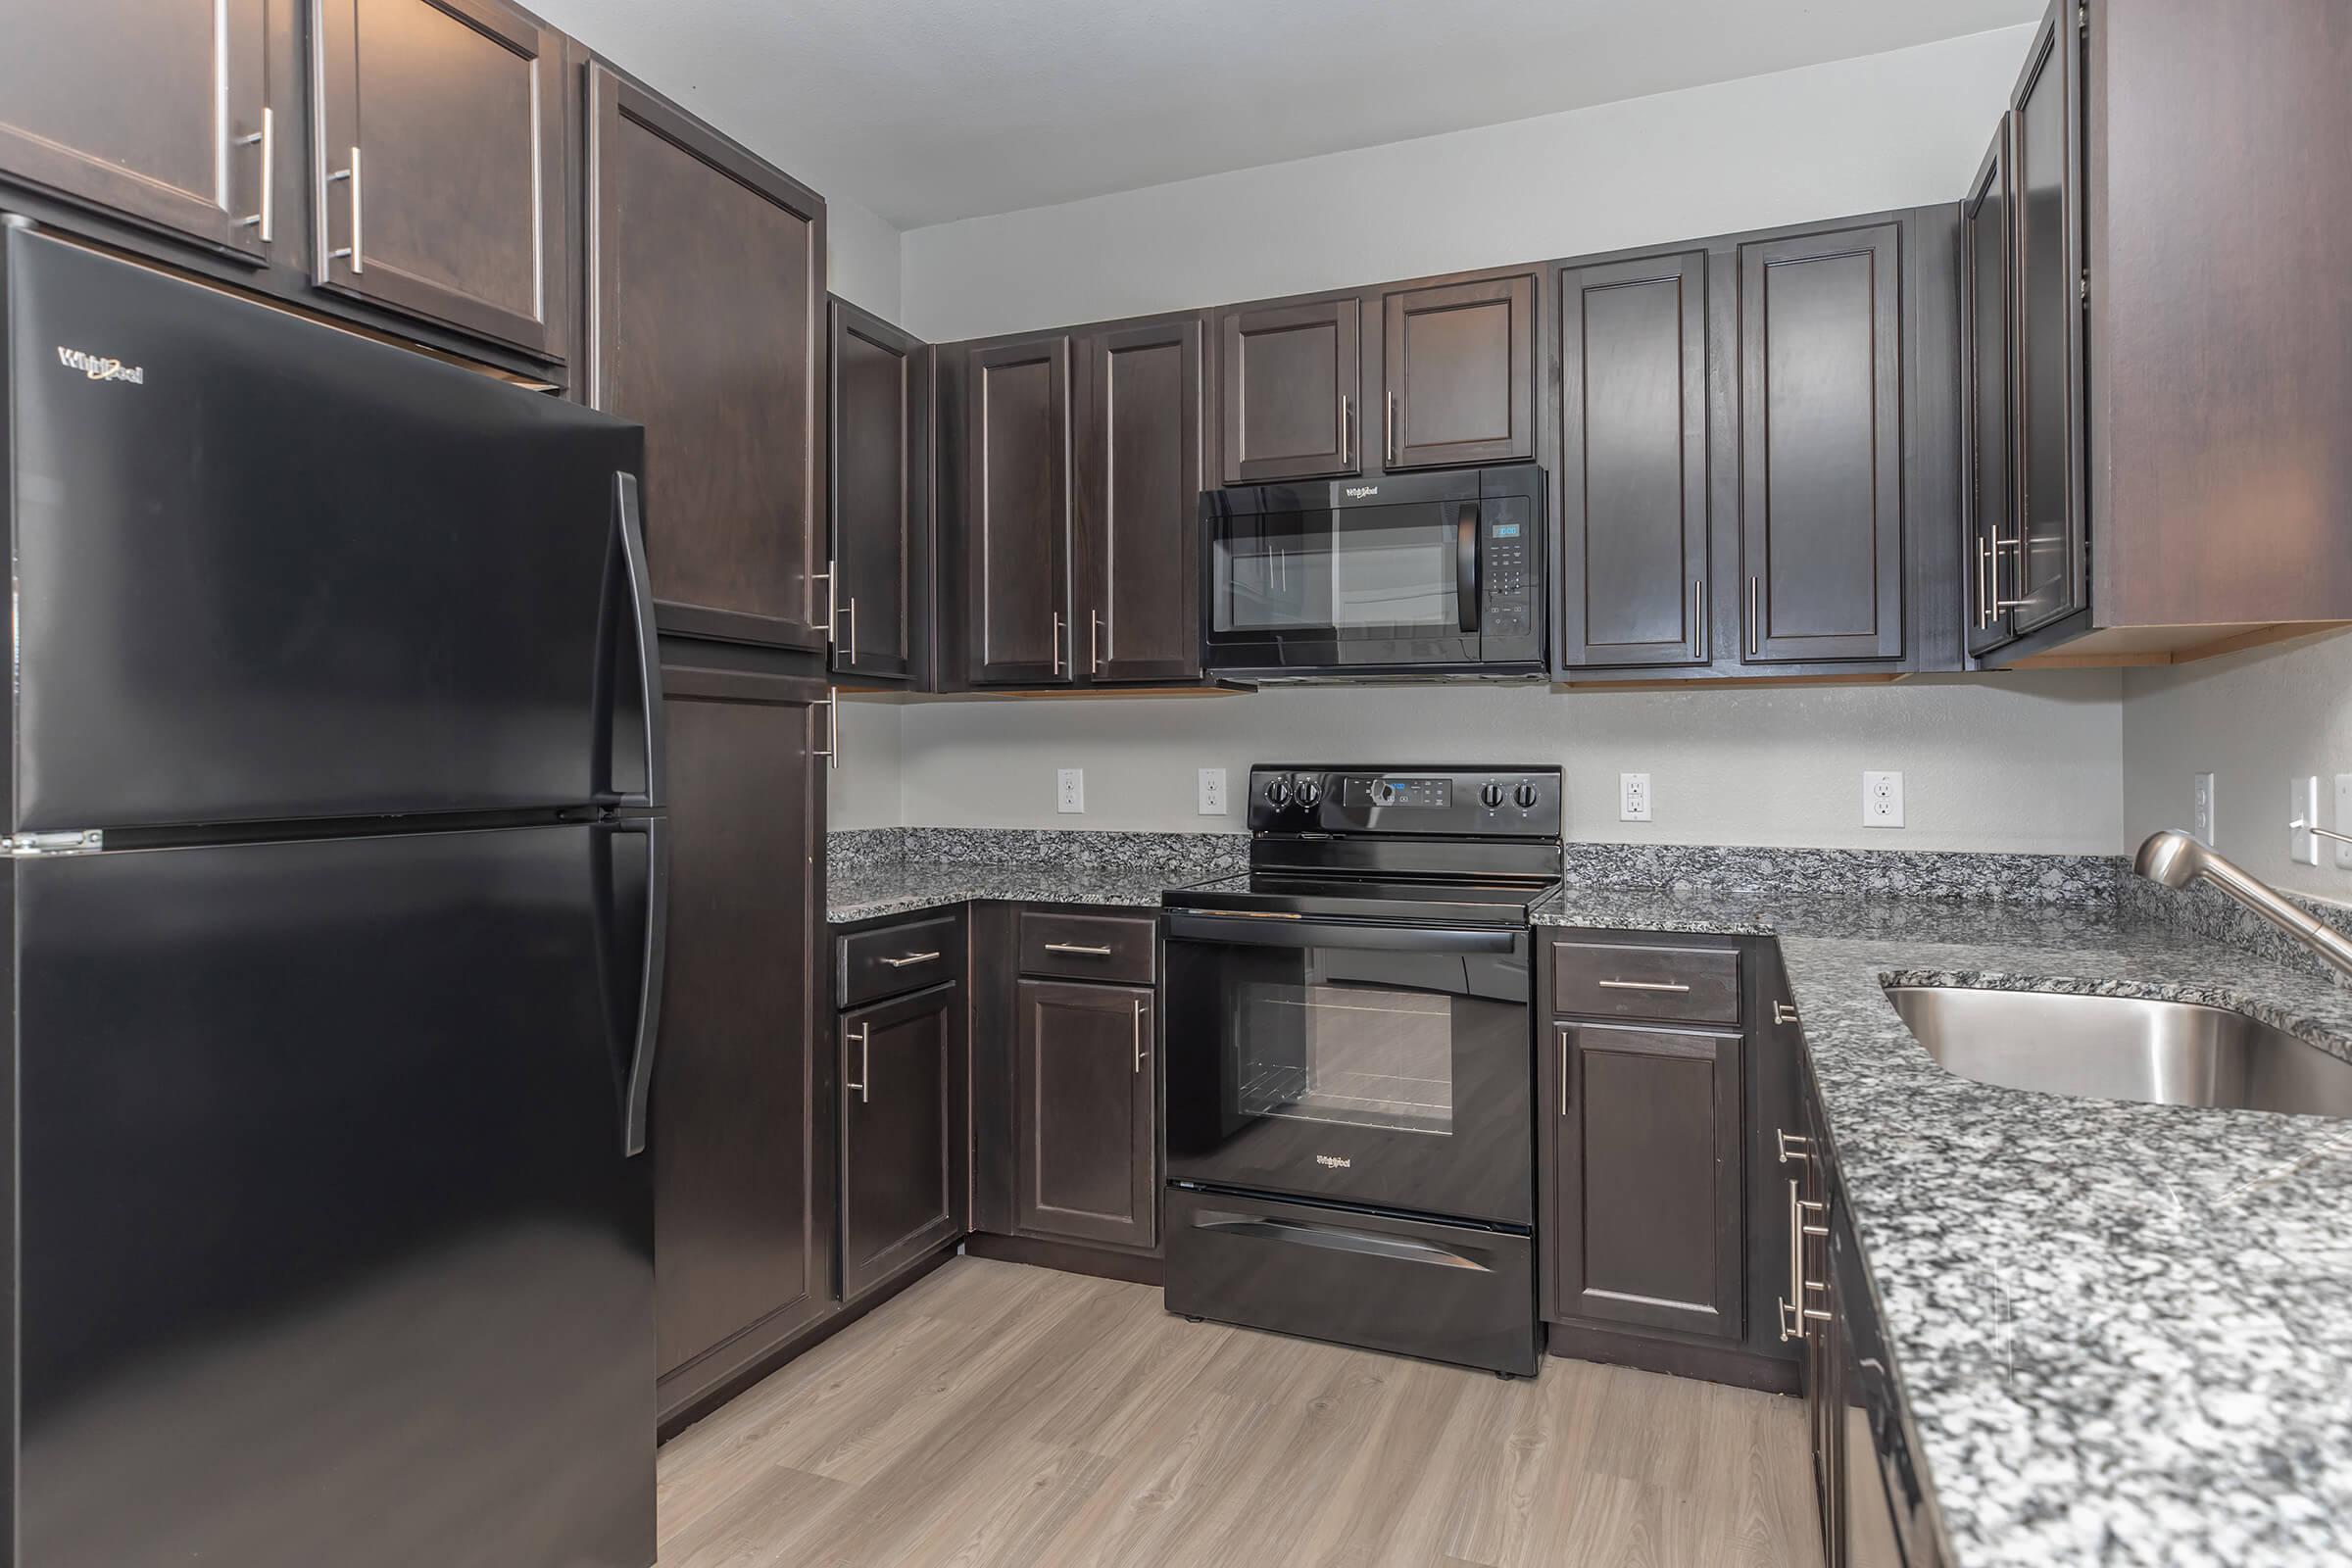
(999, 1414)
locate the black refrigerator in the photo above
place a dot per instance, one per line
(334, 909)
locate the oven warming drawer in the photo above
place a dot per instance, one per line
(1443, 1293)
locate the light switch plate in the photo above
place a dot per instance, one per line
(1881, 800)
(1213, 791)
(1633, 796)
(1069, 785)
(2343, 818)
(2201, 810)
(2303, 805)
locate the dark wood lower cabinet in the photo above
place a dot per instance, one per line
(742, 1137)
(903, 1134)
(1086, 1131)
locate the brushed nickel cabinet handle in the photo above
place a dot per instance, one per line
(355, 252)
(264, 222)
(1058, 642)
(865, 1062)
(831, 625)
(1347, 430)
(1079, 948)
(1563, 1069)
(831, 750)
(1752, 633)
(1094, 642)
(1794, 1313)
(1984, 593)
(851, 641)
(1792, 1148)
(911, 957)
(1388, 430)
(1641, 985)
(1698, 618)
(1140, 1051)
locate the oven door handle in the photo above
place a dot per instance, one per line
(1254, 931)
(1466, 563)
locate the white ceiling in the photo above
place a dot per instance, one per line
(927, 111)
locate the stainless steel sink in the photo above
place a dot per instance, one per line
(2123, 1048)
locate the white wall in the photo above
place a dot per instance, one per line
(2256, 720)
(864, 791)
(2019, 763)
(862, 257)
(1892, 129)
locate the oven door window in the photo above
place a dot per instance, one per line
(1377, 1076)
(1365, 572)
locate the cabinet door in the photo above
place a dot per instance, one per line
(1288, 391)
(704, 327)
(1647, 1163)
(2047, 572)
(1016, 513)
(1085, 1131)
(902, 1147)
(1139, 462)
(160, 110)
(880, 414)
(741, 1143)
(1988, 490)
(1821, 446)
(1633, 483)
(439, 171)
(1458, 375)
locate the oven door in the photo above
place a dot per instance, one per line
(1356, 1062)
(1325, 587)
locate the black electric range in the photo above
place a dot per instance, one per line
(1350, 1062)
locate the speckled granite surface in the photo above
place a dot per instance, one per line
(2084, 880)
(878, 871)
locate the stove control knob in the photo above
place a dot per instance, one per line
(1309, 792)
(1525, 795)
(1279, 792)
(1489, 795)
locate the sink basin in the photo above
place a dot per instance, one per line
(2123, 1048)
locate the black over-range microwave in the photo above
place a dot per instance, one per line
(1423, 574)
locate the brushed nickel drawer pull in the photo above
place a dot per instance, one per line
(1140, 1051)
(1783, 1013)
(1639, 985)
(911, 957)
(866, 1061)
(1079, 948)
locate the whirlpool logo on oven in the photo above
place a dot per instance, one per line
(99, 367)
(1334, 1161)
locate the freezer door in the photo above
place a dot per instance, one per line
(329, 1246)
(269, 569)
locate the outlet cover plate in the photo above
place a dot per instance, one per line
(1213, 791)
(1633, 796)
(1069, 788)
(1881, 800)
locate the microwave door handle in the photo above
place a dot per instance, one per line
(1465, 564)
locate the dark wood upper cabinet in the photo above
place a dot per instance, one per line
(903, 1153)
(1821, 446)
(880, 414)
(706, 327)
(1289, 376)
(1989, 488)
(440, 169)
(1631, 483)
(2046, 575)
(742, 1106)
(1140, 467)
(1085, 1125)
(1458, 374)
(1015, 486)
(1647, 1131)
(160, 110)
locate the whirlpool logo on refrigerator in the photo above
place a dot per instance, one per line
(99, 367)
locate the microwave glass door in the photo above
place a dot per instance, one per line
(1361, 573)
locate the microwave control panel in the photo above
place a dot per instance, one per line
(1506, 568)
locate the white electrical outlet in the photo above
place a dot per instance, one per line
(2302, 811)
(2201, 811)
(2343, 817)
(1633, 796)
(1069, 790)
(1213, 791)
(1881, 800)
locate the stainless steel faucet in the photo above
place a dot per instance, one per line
(2175, 859)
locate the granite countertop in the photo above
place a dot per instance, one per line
(2117, 1327)
(862, 893)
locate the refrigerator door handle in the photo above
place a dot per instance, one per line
(639, 1093)
(649, 641)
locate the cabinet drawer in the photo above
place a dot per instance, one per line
(1089, 947)
(1678, 985)
(898, 959)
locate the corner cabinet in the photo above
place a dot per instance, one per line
(879, 414)
(706, 325)
(441, 163)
